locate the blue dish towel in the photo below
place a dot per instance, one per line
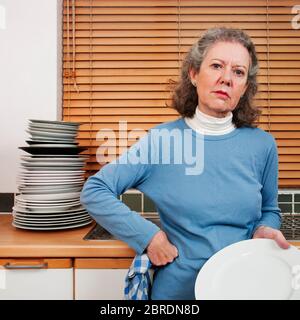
(138, 280)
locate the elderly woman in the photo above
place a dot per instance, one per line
(234, 195)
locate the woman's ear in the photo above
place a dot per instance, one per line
(193, 76)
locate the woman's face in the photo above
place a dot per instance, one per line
(222, 78)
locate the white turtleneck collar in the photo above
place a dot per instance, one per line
(209, 125)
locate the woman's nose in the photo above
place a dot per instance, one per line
(226, 78)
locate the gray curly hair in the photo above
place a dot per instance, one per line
(185, 97)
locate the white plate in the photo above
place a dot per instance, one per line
(45, 223)
(53, 130)
(62, 184)
(55, 179)
(45, 202)
(53, 164)
(50, 187)
(52, 221)
(50, 162)
(53, 139)
(39, 159)
(32, 179)
(36, 207)
(48, 179)
(47, 142)
(47, 182)
(36, 175)
(41, 145)
(49, 174)
(20, 197)
(29, 171)
(55, 122)
(50, 216)
(75, 161)
(256, 269)
(59, 196)
(46, 133)
(46, 189)
(59, 212)
(50, 170)
(37, 170)
(53, 183)
(54, 126)
(73, 156)
(17, 225)
(41, 136)
(56, 129)
(33, 142)
(48, 210)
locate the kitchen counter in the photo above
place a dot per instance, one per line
(15, 242)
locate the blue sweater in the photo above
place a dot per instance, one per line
(201, 213)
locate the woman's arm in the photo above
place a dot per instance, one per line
(100, 197)
(269, 224)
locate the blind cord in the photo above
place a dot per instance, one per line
(90, 82)
(74, 47)
(268, 67)
(68, 60)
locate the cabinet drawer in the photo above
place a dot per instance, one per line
(37, 279)
(100, 279)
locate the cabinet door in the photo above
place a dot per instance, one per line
(100, 279)
(37, 279)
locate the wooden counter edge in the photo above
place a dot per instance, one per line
(102, 263)
(114, 249)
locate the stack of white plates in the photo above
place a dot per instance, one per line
(52, 132)
(52, 137)
(50, 181)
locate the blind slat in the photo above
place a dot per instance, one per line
(186, 3)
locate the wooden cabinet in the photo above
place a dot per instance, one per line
(63, 279)
(100, 278)
(36, 279)
(60, 264)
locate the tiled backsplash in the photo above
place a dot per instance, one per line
(289, 201)
(6, 202)
(135, 200)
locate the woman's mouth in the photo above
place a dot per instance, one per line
(222, 94)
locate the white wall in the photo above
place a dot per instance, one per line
(30, 76)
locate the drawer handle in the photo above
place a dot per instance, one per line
(8, 265)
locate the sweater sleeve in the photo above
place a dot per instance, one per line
(271, 215)
(100, 196)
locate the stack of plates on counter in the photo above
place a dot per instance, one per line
(52, 137)
(50, 179)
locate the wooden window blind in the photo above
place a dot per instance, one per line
(119, 57)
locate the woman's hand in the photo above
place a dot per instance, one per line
(160, 251)
(270, 233)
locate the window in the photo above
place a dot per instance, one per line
(119, 57)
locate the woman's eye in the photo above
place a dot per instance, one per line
(216, 65)
(239, 72)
